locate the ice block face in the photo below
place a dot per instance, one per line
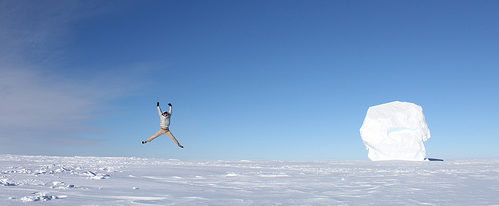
(395, 131)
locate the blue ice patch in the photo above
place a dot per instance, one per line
(400, 129)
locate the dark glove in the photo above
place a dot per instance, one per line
(157, 104)
(170, 104)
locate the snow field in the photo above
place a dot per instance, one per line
(136, 181)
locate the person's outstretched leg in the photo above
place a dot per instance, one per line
(173, 138)
(159, 133)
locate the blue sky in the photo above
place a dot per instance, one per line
(285, 80)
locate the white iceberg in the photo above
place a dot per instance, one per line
(395, 131)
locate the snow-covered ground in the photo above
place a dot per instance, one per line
(46, 180)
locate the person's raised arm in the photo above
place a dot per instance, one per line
(170, 110)
(159, 109)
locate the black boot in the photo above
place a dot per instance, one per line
(143, 142)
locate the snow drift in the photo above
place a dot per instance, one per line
(395, 131)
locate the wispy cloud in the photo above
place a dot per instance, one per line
(35, 101)
(37, 104)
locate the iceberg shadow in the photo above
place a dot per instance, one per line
(434, 159)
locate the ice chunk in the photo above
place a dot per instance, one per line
(395, 131)
(6, 182)
(41, 196)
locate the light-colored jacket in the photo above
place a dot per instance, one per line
(165, 121)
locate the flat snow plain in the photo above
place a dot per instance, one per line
(48, 180)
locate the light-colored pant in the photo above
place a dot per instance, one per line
(161, 132)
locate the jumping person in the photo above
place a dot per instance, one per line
(165, 126)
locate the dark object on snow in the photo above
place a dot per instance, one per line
(435, 159)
